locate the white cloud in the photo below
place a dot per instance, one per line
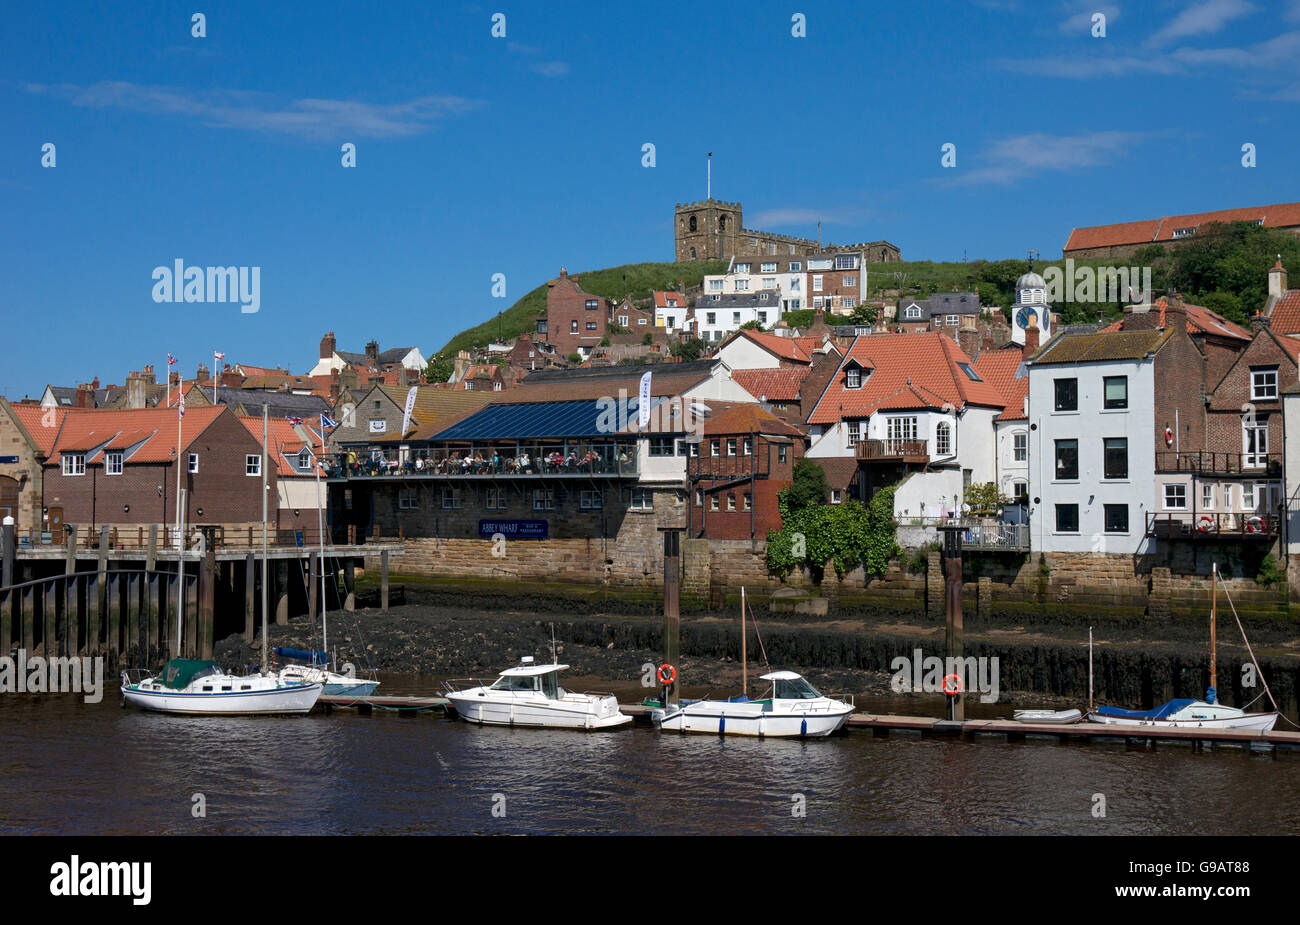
(551, 68)
(315, 119)
(1023, 156)
(1081, 22)
(1204, 18)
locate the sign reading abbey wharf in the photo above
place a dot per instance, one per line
(513, 529)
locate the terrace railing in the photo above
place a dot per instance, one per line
(1205, 462)
(892, 451)
(1189, 525)
(618, 460)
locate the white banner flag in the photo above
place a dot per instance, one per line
(406, 415)
(643, 403)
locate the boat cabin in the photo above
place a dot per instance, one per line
(786, 685)
(530, 678)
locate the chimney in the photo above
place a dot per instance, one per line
(327, 346)
(335, 389)
(1258, 323)
(202, 374)
(564, 273)
(403, 378)
(1175, 313)
(174, 378)
(149, 376)
(83, 390)
(1140, 317)
(1031, 335)
(1277, 280)
(372, 353)
(134, 390)
(94, 383)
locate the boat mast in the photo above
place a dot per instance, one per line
(1214, 653)
(1090, 669)
(744, 654)
(320, 528)
(265, 426)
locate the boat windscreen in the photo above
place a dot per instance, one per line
(516, 683)
(797, 689)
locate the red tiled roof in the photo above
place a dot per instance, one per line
(1281, 215)
(1199, 318)
(661, 299)
(283, 439)
(786, 348)
(1291, 346)
(998, 368)
(1285, 317)
(907, 371)
(83, 429)
(780, 384)
(841, 471)
(33, 418)
(737, 417)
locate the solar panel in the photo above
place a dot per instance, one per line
(591, 418)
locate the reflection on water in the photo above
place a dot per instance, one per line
(71, 767)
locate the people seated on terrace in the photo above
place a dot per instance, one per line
(464, 465)
(525, 464)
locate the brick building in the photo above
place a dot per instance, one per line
(1123, 239)
(576, 320)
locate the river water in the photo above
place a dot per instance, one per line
(75, 768)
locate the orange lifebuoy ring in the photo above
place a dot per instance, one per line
(1255, 525)
(1204, 523)
(667, 673)
(1169, 437)
(955, 688)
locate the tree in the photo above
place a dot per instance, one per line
(647, 339)
(984, 499)
(575, 358)
(752, 326)
(808, 486)
(845, 535)
(440, 369)
(688, 349)
(864, 314)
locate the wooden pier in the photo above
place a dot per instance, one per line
(123, 603)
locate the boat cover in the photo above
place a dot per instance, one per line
(303, 655)
(180, 672)
(1161, 712)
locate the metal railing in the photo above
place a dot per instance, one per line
(995, 537)
(1209, 463)
(907, 450)
(1192, 525)
(574, 458)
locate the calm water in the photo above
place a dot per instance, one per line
(76, 768)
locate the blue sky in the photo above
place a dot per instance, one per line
(479, 155)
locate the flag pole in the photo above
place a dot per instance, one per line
(320, 529)
(265, 424)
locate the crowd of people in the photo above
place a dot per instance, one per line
(489, 462)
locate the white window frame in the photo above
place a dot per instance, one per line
(113, 463)
(74, 464)
(1207, 496)
(1263, 383)
(817, 282)
(253, 465)
(193, 463)
(852, 433)
(1020, 446)
(543, 499)
(643, 499)
(1171, 489)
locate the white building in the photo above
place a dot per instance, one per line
(1031, 306)
(719, 315)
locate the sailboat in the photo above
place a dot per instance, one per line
(199, 686)
(316, 669)
(792, 707)
(1186, 713)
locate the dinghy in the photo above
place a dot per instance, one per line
(315, 671)
(1048, 717)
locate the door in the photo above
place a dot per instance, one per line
(9, 500)
(53, 526)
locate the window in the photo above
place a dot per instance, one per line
(622, 319)
(854, 432)
(1227, 497)
(1263, 382)
(1207, 497)
(1020, 446)
(747, 503)
(640, 321)
(573, 327)
(950, 319)
(74, 463)
(494, 499)
(837, 495)
(901, 428)
(735, 317)
(747, 446)
(1020, 492)
(853, 378)
(742, 285)
(643, 499)
(731, 446)
(113, 464)
(194, 462)
(1067, 459)
(1185, 232)
(762, 318)
(593, 305)
(731, 500)
(710, 317)
(1255, 443)
(796, 266)
(592, 500)
(1116, 518)
(1175, 497)
(1248, 496)
(846, 262)
(543, 499)
(782, 453)
(699, 497)
(713, 502)
(715, 447)
(1115, 392)
(1115, 458)
(1067, 518)
(912, 312)
(850, 301)
(767, 267)
(715, 285)
(304, 459)
(252, 464)
(769, 282)
(408, 499)
(943, 439)
(817, 302)
(742, 268)
(450, 499)
(591, 325)
(817, 282)
(849, 281)
(1067, 394)
(662, 446)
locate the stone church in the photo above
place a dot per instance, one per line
(714, 230)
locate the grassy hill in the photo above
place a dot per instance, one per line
(635, 279)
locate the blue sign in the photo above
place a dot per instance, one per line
(8, 459)
(514, 529)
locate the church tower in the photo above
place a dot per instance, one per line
(1031, 305)
(707, 230)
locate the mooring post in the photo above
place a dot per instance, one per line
(190, 634)
(8, 561)
(50, 597)
(953, 632)
(71, 626)
(350, 584)
(672, 607)
(282, 592)
(29, 618)
(152, 596)
(207, 600)
(383, 580)
(99, 606)
(250, 595)
(134, 608)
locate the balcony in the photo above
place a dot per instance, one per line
(1188, 525)
(608, 460)
(1203, 462)
(893, 451)
(728, 468)
(995, 537)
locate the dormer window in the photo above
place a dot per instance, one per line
(304, 459)
(912, 311)
(853, 378)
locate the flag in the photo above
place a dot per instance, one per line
(180, 406)
(218, 356)
(171, 360)
(643, 403)
(295, 421)
(327, 421)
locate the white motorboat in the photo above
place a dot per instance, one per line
(1048, 717)
(1186, 714)
(794, 708)
(200, 687)
(530, 695)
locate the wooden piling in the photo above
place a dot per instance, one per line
(383, 580)
(152, 598)
(135, 608)
(8, 571)
(98, 604)
(350, 584)
(71, 634)
(190, 633)
(29, 618)
(208, 577)
(50, 598)
(282, 592)
(250, 594)
(113, 611)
